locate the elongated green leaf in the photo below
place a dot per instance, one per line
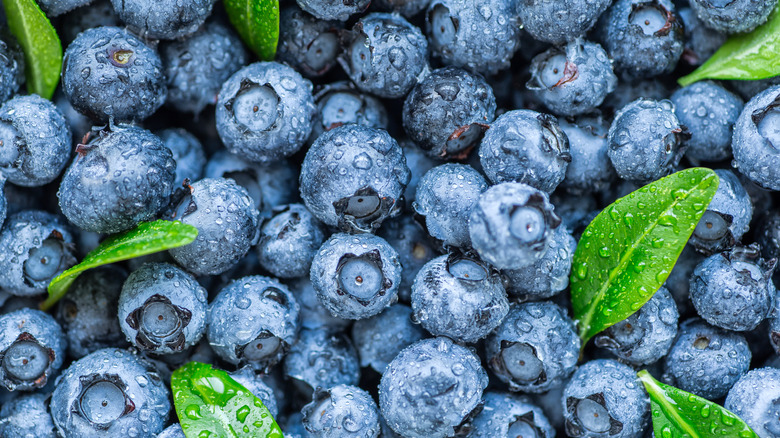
(210, 403)
(257, 21)
(755, 55)
(680, 414)
(146, 238)
(626, 253)
(41, 45)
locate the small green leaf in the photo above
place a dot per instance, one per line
(210, 403)
(628, 250)
(146, 238)
(41, 45)
(257, 21)
(680, 414)
(754, 55)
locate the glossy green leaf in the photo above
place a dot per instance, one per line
(210, 403)
(146, 238)
(628, 250)
(40, 43)
(257, 21)
(680, 414)
(754, 55)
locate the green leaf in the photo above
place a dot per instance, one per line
(678, 414)
(257, 21)
(628, 250)
(41, 45)
(146, 238)
(210, 403)
(754, 55)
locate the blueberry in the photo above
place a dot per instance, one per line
(340, 103)
(512, 224)
(644, 37)
(605, 398)
(756, 136)
(768, 234)
(11, 70)
(166, 19)
(289, 241)
(34, 141)
(645, 336)
(187, 152)
(679, 281)
(478, 36)
(734, 290)
(384, 55)
(227, 223)
(445, 197)
(755, 398)
(448, 111)
(573, 79)
(101, 190)
(110, 393)
(313, 314)
(737, 16)
(459, 296)
(264, 112)
(35, 247)
(727, 216)
(353, 177)
(527, 147)
(239, 336)
(511, 416)
(356, 276)
(100, 69)
(628, 91)
(590, 169)
(88, 313)
(701, 42)
(413, 246)
(706, 360)
(327, 10)
(32, 349)
(645, 140)
(407, 8)
(321, 360)
(380, 338)
(551, 23)
(26, 416)
(97, 13)
(172, 431)
(196, 67)
(419, 164)
(55, 8)
(748, 89)
(3, 201)
(247, 378)
(307, 44)
(431, 388)
(342, 410)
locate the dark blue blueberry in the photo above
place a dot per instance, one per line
(313, 314)
(54, 8)
(556, 23)
(320, 360)
(307, 44)
(727, 217)
(733, 16)
(590, 169)
(701, 42)
(380, 338)
(97, 13)
(172, 431)
(3, 201)
(343, 410)
(679, 281)
(757, 137)
(252, 381)
(340, 103)
(509, 415)
(414, 248)
(163, 19)
(289, 241)
(26, 416)
(407, 8)
(628, 91)
(328, 10)
(748, 89)
(32, 349)
(419, 164)
(11, 70)
(755, 399)
(187, 152)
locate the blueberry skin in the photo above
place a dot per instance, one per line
(289, 241)
(459, 296)
(313, 314)
(98, 13)
(572, 80)
(430, 388)
(307, 44)
(754, 139)
(706, 360)
(125, 380)
(55, 8)
(419, 164)
(3, 201)
(612, 388)
(174, 296)
(88, 313)
(167, 19)
(727, 217)
(709, 112)
(478, 36)
(380, 338)
(448, 111)
(322, 360)
(526, 147)
(124, 79)
(647, 335)
(36, 334)
(342, 410)
(413, 246)
(196, 67)
(545, 331)
(172, 431)
(747, 89)
(754, 399)
(645, 140)
(239, 336)
(265, 112)
(547, 21)
(547, 276)
(445, 197)
(35, 247)
(734, 290)
(353, 177)
(187, 152)
(644, 37)
(384, 55)
(326, 10)
(701, 42)
(512, 224)
(345, 264)
(407, 8)
(590, 169)
(340, 103)
(504, 413)
(227, 223)
(34, 141)
(26, 416)
(247, 378)
(735, 16)
(11, 70)
(101, 191)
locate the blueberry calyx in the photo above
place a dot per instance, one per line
(159, 322)
(98, 398)
(596, 405)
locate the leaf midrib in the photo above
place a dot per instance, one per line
(666, 406)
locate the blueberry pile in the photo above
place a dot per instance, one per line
(387, 215)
